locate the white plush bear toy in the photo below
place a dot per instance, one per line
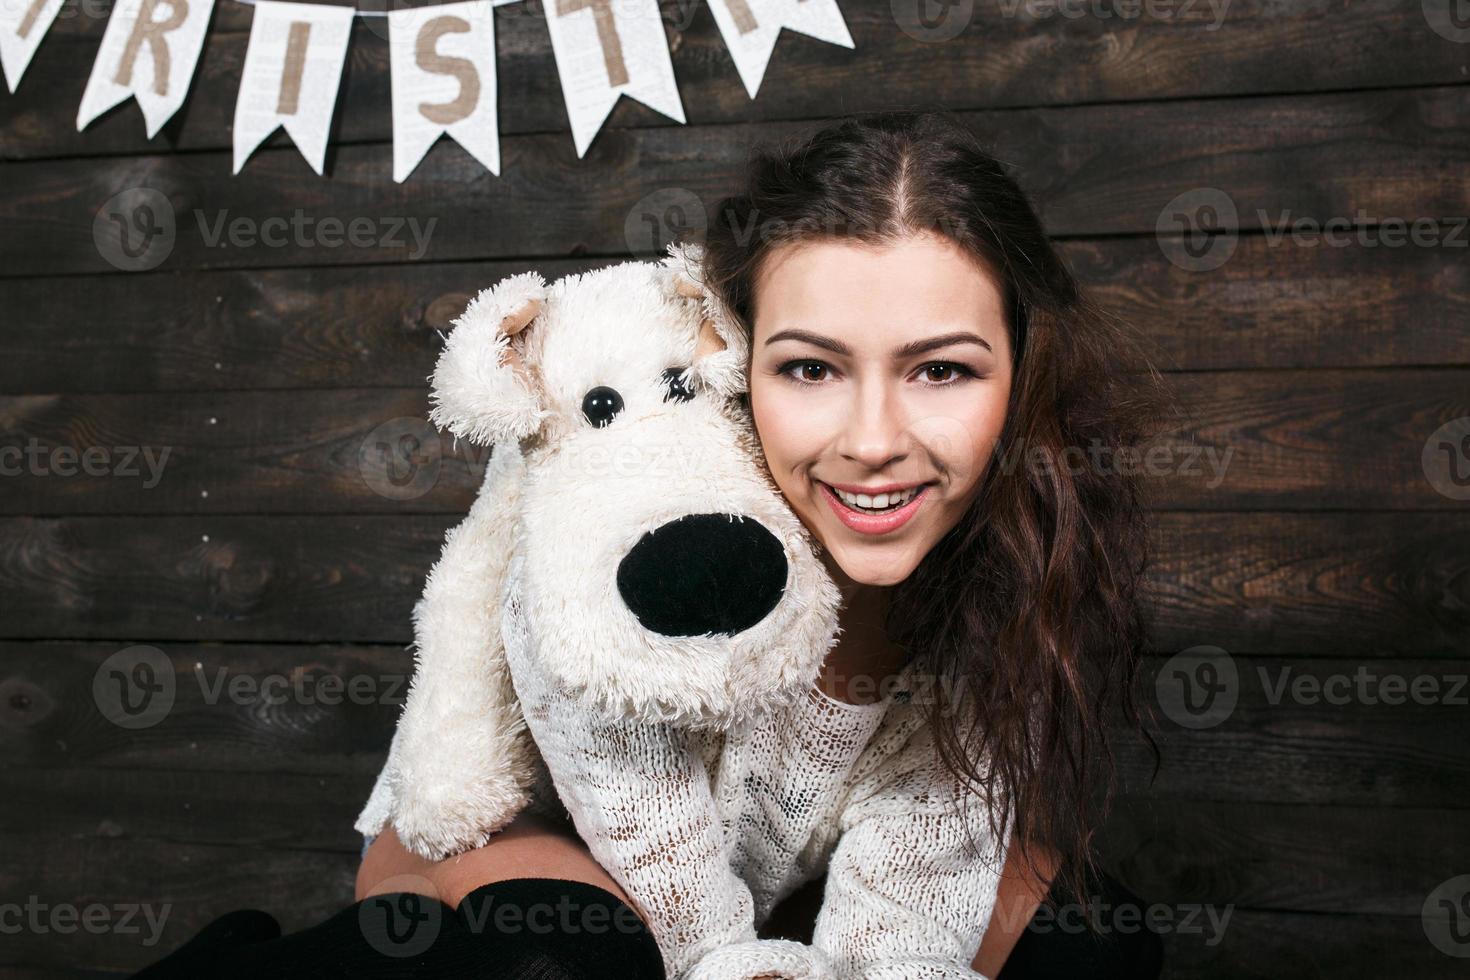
(627, 573)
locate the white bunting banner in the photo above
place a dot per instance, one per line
(23, 23)
(293, 67)
(749, 28)
(607, 48)
(443, 73)
(441, 63)
(149, 51)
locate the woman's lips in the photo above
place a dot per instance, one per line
(874, 523)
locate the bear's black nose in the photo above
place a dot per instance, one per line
(704, 573)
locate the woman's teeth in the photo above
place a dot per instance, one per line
(877, 503)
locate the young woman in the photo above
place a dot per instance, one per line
(927, 383)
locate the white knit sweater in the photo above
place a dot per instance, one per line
(853, 789)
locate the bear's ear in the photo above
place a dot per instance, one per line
(721, 351)
(482, 389)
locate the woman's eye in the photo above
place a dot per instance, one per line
(941, 373)
(806, 372)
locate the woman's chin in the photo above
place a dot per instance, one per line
(875, 565)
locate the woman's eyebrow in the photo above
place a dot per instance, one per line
(907, 350)
(943, 340)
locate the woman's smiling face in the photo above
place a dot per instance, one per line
(879, 381)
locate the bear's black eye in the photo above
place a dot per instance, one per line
(600, 405)
(676, 390)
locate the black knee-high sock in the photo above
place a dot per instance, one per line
(523, 929)
(398, 936)
(232, 930)
(562, 930)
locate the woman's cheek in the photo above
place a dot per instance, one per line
(958, 431)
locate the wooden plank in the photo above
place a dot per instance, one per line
(335, 723)
(1377, 584)
(1359, 860)
(1280, 305)
(1281, 440)
(156, 894)
(1093, 170)
(285, 711)
(1345, 582)
(275, 810)
(1309, 946)
(1368, 732)
(283, 579)
(987, 55)
(277, 328)
(1271, 306)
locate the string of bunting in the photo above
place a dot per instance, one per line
(441, 62)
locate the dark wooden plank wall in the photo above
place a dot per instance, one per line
(263, 551)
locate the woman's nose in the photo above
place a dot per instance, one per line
(874, 429)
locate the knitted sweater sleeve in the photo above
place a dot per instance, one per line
(906, 897)
(641, 797)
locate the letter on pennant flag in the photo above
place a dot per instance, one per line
(293, 67)
(23, 23)
(607, 48)
(149, 51)
(441, 64)
(749, 28)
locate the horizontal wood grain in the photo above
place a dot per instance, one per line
(1281, 440)
(311, 711)
(319, 718)
(1255, 582)
(1091, 170)
(182, 886)
(1273, 305)
(306, 812)
(1358, 860)
(1261, 945)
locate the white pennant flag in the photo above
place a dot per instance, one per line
(749, 28)
(149, 51)
(607, 48)
(441, 63)
(22, 25)
(293, 67)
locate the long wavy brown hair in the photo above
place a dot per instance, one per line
(1027, 615)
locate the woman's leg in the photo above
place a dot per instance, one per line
(530, 847)
(530, 903)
